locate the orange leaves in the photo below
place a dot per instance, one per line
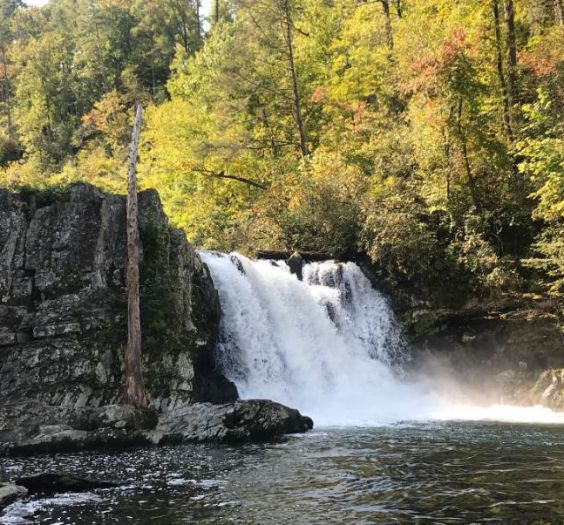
(441, 67)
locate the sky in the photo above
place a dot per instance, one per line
(206, 4)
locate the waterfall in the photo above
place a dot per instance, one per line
(327, 345)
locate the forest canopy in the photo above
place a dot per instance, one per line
(426, 135)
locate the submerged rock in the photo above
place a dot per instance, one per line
(51, 482)
(9, 492)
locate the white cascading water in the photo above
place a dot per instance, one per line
(327, 345)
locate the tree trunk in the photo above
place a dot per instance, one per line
(198, 20)
(507, 124)
(509, 13)
(216, 11)
(7, 95)
(294, 78)
(136, 394)
(559, 12)
(467, 166)
(399, 8)
(446, 151)
(388, 22)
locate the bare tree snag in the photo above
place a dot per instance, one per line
(136, 394)
(199, 20)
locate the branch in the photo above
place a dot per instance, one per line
(223, 175)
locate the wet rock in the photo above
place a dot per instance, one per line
(244, 420)
(52, 482)
(549, 389)
(296, 263)
(9, 492)
(46, 429)
(486, 356)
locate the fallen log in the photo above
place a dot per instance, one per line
(284, 255)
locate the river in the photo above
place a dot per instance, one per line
(436, 472)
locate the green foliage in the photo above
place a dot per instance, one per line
(410, 136)
(314, 208)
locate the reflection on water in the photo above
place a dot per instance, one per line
(425, 473)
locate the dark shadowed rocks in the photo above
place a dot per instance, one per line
(54, 482)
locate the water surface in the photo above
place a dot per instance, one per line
(440, 472)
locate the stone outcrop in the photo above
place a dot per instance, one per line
(63, 303)
(58, 429)
(492, 357)
(249, 420)
(549, 389)
(63, 318)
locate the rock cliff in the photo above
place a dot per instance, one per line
(63, 303)
(511, 357)
(63, 312)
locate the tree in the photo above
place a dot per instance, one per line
(9, 148)
(136, 394)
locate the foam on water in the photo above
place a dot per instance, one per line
(497, 412)
(327, 345)
(23, 512)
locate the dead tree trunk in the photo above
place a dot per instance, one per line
(136, 394)
(199, 20)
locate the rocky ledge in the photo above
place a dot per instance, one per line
(41, 428)
(63, 331)
(512, 356)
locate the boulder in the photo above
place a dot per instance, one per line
(296, 264)
(9, 492)
(549, 389)
(245, 420)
